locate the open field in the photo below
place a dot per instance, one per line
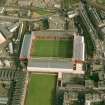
(39, 12)
(69, 3)
(52, 48)
(101, 1)
(2, 2)
(42, 11)
(41, 90)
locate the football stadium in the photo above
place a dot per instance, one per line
(45, 44)
(48, 44)
(49, 53)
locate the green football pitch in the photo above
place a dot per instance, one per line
(41, 90)
(52, 48)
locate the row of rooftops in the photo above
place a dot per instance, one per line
(89, 98)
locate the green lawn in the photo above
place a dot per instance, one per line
(52, 48)
(101, 1)
(43, 12)
(69, 3)
(41, 90)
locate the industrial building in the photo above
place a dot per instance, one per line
(7, 34)
(2, 38)
(26, 47)
(78, 52)
(79, 49)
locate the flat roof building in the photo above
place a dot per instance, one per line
(2, 38)
(6, 33)
(78, 52)
(92, 98)
(26, 47)
(79, 48)
(89, 83)
(13, 27)
(70, 97)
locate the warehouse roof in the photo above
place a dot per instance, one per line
(2, 38)
(6, 33)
